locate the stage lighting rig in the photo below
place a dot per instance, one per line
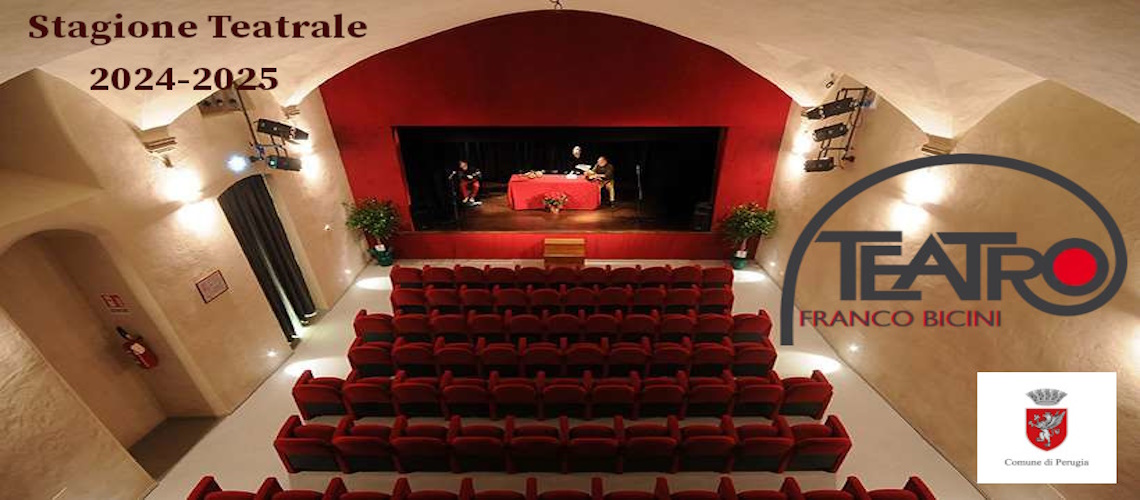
(849, 102)
(829, 132)
(833, 108)
(275, 154)
(282, 130)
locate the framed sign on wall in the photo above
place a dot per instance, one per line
(212, 286)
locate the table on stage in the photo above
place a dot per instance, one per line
(527, 194)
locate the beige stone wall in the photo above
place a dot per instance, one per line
(929, 374)
(213, 355)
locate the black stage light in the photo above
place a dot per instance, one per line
(820, 165)
(282, 130)
(829, 132)
(845, 105)
(278, 162)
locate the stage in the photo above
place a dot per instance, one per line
(495, 214)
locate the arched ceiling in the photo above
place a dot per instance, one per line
(944, 64)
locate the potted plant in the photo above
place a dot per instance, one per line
(379, 221)
(555, 201)
(742, 224)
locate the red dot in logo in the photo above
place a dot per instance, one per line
(1074, 267)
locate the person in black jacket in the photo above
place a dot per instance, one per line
(468, 183)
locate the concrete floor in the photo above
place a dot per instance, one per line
(238, 451)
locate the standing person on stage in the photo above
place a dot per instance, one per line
(468, 183)
(603, 173)
(576, 158)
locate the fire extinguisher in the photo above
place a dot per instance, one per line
(137, 348)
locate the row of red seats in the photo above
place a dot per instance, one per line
(510, 327)
(853, 489)
(538, 277)
(423, 359)
(580, 397)
(579, 299)
(644, 447)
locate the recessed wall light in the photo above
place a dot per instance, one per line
(853, 348)
(237, 163)
(272, 353)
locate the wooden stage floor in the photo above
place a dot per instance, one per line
(495, 215)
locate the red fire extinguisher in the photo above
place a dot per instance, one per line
(137, 348)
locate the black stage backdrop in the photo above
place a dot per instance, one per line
(678, 164)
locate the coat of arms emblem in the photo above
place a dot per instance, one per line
(1047, 427)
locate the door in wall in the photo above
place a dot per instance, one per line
(249, 208)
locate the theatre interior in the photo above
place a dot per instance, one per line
(534, 250)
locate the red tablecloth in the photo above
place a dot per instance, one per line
(527, 194)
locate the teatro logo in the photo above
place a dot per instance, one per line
(1074, 267)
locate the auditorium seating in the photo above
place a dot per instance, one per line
(510, 327)
(608, 445)
(423, 359)
(318, 396)
(539, 396)
(853, 489)
(572, 300)
(559, 276)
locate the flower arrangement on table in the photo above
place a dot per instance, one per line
(554, 201)
(533, 174)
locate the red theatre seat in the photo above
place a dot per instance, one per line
(535, 447)
(914, 489)
(403, 491)
(635, 327)
(451, 328)
(533, 493)
(582, 357)
(614, 396)
(716, 300)
(686, 276)
(306, 447)
(467, 397)
(371, 359)
(655, 276)
(443, 300)
(530, 277)
(682, 300)
(502, 358)
(614, 299)
(208, 489)
(544, 301)
(625, 357)
(416, 359)
(662, 491)
(476, 300)
(707, 447)
(625, 276)
(651, 447)
(559, 277)
(413, 327)
(272, 490)
(510, 300)
(470, 277)
(375, 327)
(420, 447)
(763, 447)
(525, 326)
(580, 300)
(316, 396)
(477, 447)
(711, 359)
(439, 277)
(670, 357)
(594, 277)
(567, 397)
(712, 277)
(416, 396)
(647, 300)
(758, 396)
(406, 277)
(677, 327)
(467, 492)
(409, 301)
(749, 327)
(540, 357)
(563, 326)
(661, 396)
(806, 396)
(338, 491)
(819, 446)
(502, 277)
(710, 396)
(459, 359)
(517, 396)
(363, 446)
(598, 327)
(790, 490)
(368, 396)
(712, 327)
(592, 447)
(487, 326)
(753, 358)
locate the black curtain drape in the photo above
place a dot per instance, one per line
(249, 208)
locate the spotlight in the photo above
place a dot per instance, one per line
(237, 163)
(845, 105)
(820, 165)
(829, 132)
(279, 162)
(282, 130)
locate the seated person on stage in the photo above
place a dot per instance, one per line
(576, 159)
(603, 174)
(468, 183)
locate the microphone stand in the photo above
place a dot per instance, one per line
(637, 218)
(453, 192)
